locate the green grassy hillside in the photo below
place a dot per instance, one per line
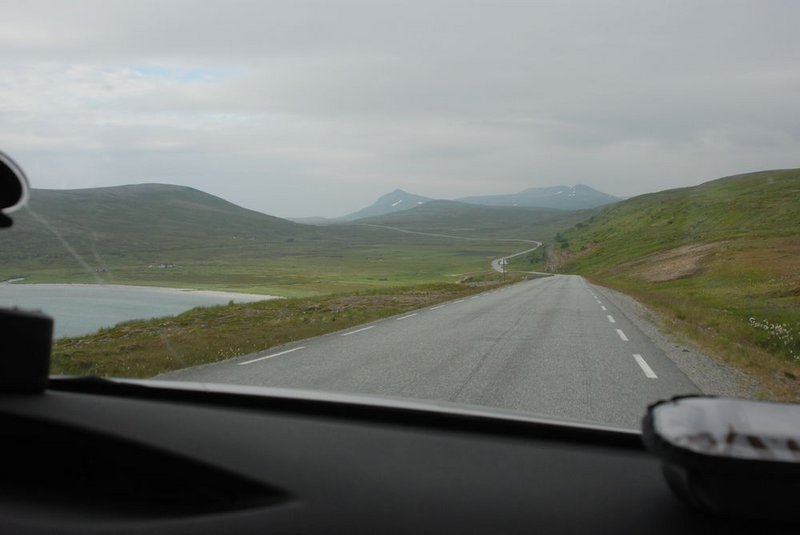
(124, 234)
(144, 217)
(721, 259)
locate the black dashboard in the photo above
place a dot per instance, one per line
(99, 456)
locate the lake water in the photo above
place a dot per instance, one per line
(80, 309)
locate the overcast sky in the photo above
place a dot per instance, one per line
(316, 108)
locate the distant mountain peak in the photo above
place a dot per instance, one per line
(394, 201)
(562, 197)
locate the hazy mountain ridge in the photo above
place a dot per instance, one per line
(578, 197)
(395, 201)
(474, 220)
(162, 221)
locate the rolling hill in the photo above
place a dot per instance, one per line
(721, 259)
(163, 235)
(753, 208)
(143, 217)
(578, 197)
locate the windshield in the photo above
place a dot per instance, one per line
(569, 209)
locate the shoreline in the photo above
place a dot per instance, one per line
(158, 289)
(83, 308)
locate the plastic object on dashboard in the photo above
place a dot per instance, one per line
(729, 456)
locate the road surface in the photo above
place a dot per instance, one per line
(553, 346)
(498, 267)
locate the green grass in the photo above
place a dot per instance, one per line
(204, 335)
(217, 245)
(709, 258)
(337, 269)
(533, 261)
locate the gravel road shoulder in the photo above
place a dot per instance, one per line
(711, 376)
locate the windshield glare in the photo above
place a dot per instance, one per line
(568, 209)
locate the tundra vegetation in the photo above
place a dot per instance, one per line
(720, 261)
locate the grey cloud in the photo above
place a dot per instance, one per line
(315, 108)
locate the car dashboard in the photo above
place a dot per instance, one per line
(91, 455)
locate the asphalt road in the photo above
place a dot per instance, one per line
(498, 267)
(553, 346)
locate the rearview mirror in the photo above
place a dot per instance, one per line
(13, 188)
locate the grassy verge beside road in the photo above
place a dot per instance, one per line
(720, 261)
(205, 335)
(743, 308)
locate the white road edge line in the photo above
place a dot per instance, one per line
(648, 371)
(357, 331)
(406, 317)
(438, 307)
(459, 301)
(475, 297)
(270, 356)
(622, 335)
(603, 307)
(611, 318)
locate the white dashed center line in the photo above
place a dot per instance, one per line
(603, 307)
(270, 356)
(648, 371)
(357, 331)
(437, 307)
(406, 317)
(622, 335)
(611, 318)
